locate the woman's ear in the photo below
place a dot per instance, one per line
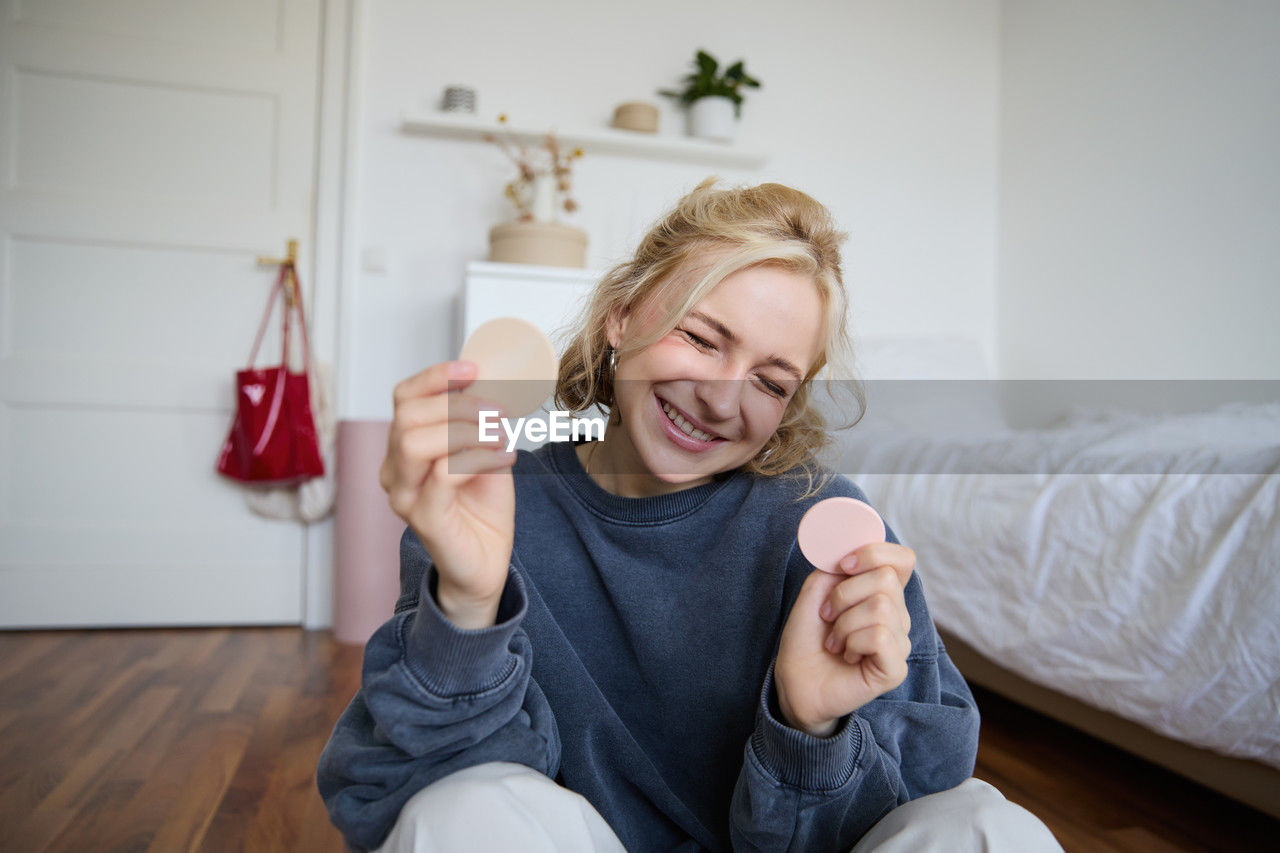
(615, 326)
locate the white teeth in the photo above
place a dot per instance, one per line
(685, 427)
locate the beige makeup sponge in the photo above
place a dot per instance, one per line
(517, 365)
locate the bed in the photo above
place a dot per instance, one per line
(1118, 570)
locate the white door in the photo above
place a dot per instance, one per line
(150, 152)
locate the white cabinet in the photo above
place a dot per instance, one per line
(549, 297)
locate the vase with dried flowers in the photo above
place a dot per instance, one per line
(543, 176)
(543, 185)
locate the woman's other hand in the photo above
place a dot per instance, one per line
(456, 492)
(846, 639)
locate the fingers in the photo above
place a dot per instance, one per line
(458, 406)
(441, 485)
(469, 421)
(451, 474)
(815, 591)
(480, 417)
(873, 626)
(853, 590)
(462, 466)
(901, 558)
(445, 376)
(431, 424)
(446, 448)
(882, 654)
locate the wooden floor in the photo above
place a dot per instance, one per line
(1096, 797)
(207, 739)
(168, 740)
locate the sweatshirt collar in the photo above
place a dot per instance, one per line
(647, 510)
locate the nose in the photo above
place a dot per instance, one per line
(720, 395)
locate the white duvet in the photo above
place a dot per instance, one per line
(1152, 595)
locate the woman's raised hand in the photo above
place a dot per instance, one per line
(847, 638)
(454, 491)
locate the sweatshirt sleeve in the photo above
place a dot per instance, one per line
(433, 699)
(800, 792)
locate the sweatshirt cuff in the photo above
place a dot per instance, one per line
(801, 760)
(452, 662)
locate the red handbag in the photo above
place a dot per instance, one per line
(273, 436)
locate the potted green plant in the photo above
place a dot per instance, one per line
(714, 98)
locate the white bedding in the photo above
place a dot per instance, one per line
(1152, 595)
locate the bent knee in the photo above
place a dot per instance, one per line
(973, 816)
(498, 805)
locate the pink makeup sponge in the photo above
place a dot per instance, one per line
(517, 365)
(834, 528)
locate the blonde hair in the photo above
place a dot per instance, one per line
(708, 236)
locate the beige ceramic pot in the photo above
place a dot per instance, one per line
(544, 243)
(636, 115)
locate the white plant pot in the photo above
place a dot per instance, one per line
(544, 198)
(713, 118)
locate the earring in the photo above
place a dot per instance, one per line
(613, 361)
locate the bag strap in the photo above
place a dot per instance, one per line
(288, 283)
(266, 316)
(316, 383)
(296, 293)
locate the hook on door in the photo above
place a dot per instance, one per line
(290, 258)
(291, 261)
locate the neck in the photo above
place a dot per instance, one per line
(612, 465)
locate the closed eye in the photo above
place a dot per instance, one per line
(697, 340)
(772, 387)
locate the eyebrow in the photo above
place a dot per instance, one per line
(725, 332)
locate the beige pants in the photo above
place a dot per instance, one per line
(503, 807)
(970, 818)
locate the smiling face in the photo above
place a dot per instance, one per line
(707, 396)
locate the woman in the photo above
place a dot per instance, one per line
(632, 617)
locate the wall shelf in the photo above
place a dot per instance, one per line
(593, 141)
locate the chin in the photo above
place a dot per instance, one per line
(678, 470)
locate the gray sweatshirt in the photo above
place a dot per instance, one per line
(632, 662)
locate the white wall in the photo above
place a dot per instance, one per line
(1140, 189)
(887, 112)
